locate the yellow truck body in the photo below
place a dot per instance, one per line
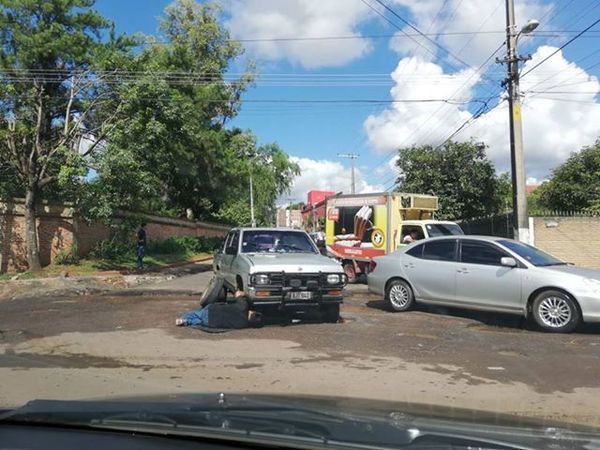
(364, 226)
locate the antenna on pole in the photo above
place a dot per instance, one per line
(352, 157)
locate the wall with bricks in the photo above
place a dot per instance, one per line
(572, 239)
(58, 231)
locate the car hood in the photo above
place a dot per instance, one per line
(292, 263)
(573, 270)
(324, 420)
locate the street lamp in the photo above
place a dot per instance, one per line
(517, 159)
(529, 27)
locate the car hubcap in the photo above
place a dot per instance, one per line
(399, 296)
(555, 312)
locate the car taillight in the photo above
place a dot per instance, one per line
(372, 266)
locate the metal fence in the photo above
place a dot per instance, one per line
(500, 225)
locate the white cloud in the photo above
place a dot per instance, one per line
(554, 124)
(301, 18)
(405, 124)
(327, 176)
(458, 16)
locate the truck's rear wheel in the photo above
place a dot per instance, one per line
(350, 272)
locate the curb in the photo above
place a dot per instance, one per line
(132, 292)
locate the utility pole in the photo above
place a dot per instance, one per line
(517, 159)
(252, 218)
(352, 157)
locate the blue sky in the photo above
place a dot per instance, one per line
(317, 132)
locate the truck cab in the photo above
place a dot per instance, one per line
(427, 228)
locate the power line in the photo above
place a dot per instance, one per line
(406, 22)
(395, 25)
(416, 130)
(560, 48)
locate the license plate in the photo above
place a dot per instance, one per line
(301, 295)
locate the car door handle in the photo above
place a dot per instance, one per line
(462, 270)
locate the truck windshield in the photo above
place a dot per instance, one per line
(267, 241)
(443, 229)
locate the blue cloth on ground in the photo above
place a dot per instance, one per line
(197, 317)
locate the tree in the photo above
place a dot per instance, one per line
(170, 149)
(272, 173)
(575, 185)
(460, 174)
(49, 94)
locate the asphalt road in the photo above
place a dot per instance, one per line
(103, 346)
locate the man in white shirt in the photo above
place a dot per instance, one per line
(411, 237)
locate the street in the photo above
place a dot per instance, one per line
(100, 346)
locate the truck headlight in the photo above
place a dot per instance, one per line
(592, 284)
(333, 278)
(260, 279)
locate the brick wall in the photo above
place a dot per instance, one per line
(58, 230)
(573, 239)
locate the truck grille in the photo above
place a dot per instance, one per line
(304, 280)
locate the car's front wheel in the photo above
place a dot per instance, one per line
(399, 295)
(556, 311)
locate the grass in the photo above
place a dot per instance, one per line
(97, 266)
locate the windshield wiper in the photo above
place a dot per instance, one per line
(553, 264)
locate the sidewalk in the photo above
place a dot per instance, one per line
(179, 279)
(188, 284)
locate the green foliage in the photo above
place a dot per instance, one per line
(170, 151)
(67, 257)
(186, 245)
(575, 185)
(49, 95)
(113, 249)
(119, 249)
(460, 174)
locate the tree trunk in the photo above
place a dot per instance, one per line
(31, 235)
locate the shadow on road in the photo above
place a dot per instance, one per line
(489, 319)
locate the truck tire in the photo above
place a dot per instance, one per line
(213, 291)
(331, 313)
(350, 272)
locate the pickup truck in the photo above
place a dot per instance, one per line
(280, 268)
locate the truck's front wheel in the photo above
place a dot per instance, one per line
(350, 272)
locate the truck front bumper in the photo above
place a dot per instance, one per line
(282, 297)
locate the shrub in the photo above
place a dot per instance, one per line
(67, 257)
(112, 249)
(184, 244)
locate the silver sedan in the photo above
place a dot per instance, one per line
(489, 273)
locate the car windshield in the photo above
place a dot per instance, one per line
(443, 229)
(533, 255)
(292, 197)
(277, 242)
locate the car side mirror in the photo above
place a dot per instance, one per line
(507, 261)
(231, 251)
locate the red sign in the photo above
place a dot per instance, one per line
(355, 252)
(333, 214)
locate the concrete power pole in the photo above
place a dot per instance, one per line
(517, 159)
(252, 218)
(352, 157)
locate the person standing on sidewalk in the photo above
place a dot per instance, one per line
(141, 246)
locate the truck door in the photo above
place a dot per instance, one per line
(228, 258)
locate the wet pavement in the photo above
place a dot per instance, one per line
(443, 351)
